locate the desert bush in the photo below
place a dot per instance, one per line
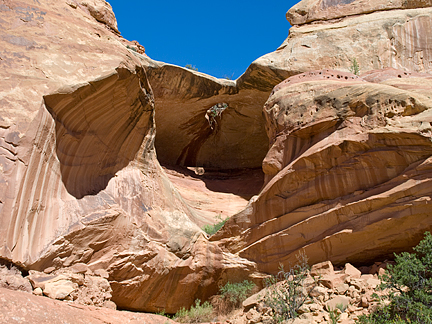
(196, 314)
(211, 229)
(285, 292)
(191, 67)
(408, 288)
(233, 294)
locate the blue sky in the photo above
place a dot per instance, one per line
(220, 38)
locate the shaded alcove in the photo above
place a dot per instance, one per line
(100, 126)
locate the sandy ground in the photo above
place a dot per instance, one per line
(215, 195)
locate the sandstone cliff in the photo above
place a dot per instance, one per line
(346, 158)
(80, 181)
(331, 33)
(348, 170)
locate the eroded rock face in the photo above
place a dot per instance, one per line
(307, 11)
(80, 182)
(190, 133)
(374, 35)
(348, 171)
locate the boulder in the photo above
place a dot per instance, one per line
(351, 271)
(333, 303)
(59, 288)
(322, 268)
(11, 278)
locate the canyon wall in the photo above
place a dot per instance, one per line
(347, 159)
(348, 169)
(80, 181)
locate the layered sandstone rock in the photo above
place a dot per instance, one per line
(80, 182)
(330, 34)
(307, 11)
(187, 132)
(348, 171)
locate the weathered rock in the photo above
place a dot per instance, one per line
(376, 39)
(193, 131)
(307, 11)
(351, 271)
(350, 161)
(80, 182)
(16, 306)
(335, 301)
(11, 278)
(322, 268)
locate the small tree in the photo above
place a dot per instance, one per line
(409, 284)
(354, 68)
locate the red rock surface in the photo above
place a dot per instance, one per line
(80, 182)
(307, 11)
(348, 172)
(21, 307)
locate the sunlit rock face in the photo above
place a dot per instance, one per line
(307, 11)
(79, 178)
(331, 34)
(348, 172)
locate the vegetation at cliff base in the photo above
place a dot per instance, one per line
(285, 292)
(211, 229)
(198, 313)
(408, 288)
(233, 294)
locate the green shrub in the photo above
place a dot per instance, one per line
(235, 293)
(191, 67)
(196, 314)
(211, 229)
(335, 315)
(409, 284)
(285, 292)
(354, 68)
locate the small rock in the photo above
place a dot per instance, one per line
(343, 317)
(253, 316)
(38, 292)
(318, 291)
(364, 302)
(352, 271)
(303, 309)
(331, 281)
(373, 283)
(101, 273)
(322, 268)
(342, 288)
(49, 270)
(80, 268)
(110, 304)
(253, 300)
(358, 284)
(332, 303)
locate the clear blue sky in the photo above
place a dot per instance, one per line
(220, 38)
